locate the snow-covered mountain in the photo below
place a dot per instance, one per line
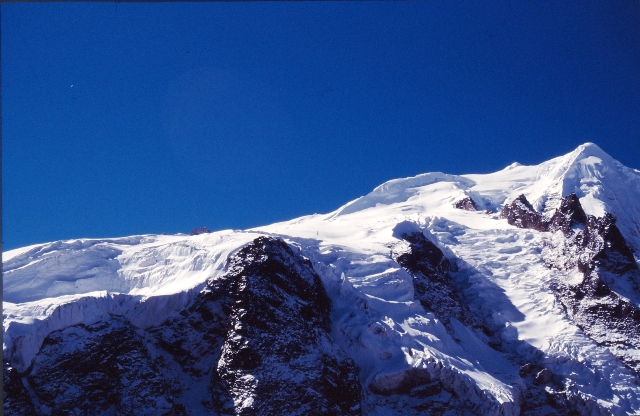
(516, 292)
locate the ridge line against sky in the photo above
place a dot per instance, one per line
(136, 118)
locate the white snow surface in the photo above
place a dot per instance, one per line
(375, 317)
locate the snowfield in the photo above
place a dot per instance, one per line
(376, 318)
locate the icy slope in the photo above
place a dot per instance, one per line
(507, 283)
(501, 269)
(496, 339)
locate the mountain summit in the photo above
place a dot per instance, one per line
(510, 293)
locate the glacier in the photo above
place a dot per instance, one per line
(500, 273)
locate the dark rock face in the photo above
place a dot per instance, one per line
(521, 214)
(200, 230)
(254, 341)
(569, 214)
(277, 357)
(17, 400)
(606, 317)
(597, 249)
(466, 204)
(589, 240)
(102, 367)
(603, 238)
(599, 237)
(432, 283)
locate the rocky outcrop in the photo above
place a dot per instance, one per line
(432, 283)
(567, 216)
(596, 248)
(277, 356)
(603, 238)
(605, 316)
(254, 341)
(521, 214)
(466, 204)
(600, 237)
(587, 241)
(595, 304)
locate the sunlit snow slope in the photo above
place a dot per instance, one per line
(376, 316)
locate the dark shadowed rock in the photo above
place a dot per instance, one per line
(432, 283)
(104, 367)
(17, 400)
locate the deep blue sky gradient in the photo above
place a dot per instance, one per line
(133, 118)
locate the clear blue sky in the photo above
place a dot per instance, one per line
(134, 118)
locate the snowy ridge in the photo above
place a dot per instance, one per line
(399, 190)
(521, 353)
